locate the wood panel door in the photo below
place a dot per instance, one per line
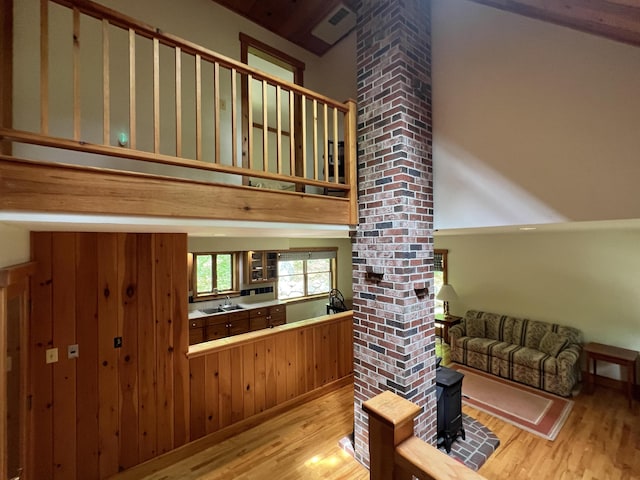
(14, 313)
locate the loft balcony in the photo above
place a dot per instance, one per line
(124, 119)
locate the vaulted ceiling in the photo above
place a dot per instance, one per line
(295, 19)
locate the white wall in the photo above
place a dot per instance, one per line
(585, 279)
(533, 122)
(14, 245)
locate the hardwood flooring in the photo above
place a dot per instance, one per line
(299, 444)
(600, 440)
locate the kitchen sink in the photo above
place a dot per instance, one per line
(229, 308)
(221, 308)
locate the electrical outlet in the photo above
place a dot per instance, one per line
(73, 351)
(52, 355)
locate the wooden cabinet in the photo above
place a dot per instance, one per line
(224, 325)
(217, 327)
(196, 330)
(261, 267)
(238, 323)
(277, 315)
(268, 317)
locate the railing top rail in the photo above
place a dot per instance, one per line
(428, 463)
(101, 12)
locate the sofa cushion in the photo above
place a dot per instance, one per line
(475, 327)
(485, 346)
(552, 343)
(527, 357)
(528, 333)
(499, 327)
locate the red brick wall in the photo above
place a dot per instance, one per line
(393, 247)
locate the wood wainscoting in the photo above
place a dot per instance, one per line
(242, 376)
(112, 407)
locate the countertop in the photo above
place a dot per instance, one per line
(245, 306)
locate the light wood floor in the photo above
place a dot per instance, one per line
(600, 440)
(300, 444)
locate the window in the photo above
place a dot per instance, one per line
(439, 277)
(305, 274)
(214, 273)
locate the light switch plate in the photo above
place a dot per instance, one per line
(52, 355)
(73, 351)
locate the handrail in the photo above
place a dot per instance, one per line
(281, 109)
(396, 454)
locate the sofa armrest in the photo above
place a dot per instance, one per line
(569, 357)
(457, 331)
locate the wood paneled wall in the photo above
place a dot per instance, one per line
(234, 383)
(111, 408)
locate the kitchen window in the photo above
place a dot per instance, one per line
(215, 274)
(306, 274)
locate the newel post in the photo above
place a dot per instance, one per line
(390, 423)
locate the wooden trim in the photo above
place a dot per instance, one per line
(178, 86)
(156, 96)
(279, 129)
(16, 273)
(215, 346)
(249, 96)
(351, 158)
(132, 88)
(315, 139)
(274, 52)
(215, 438)
(234, 120)
(41, 186)
(198, 75)
(216, 102)
(325, 112)
(106, 93)
(76, 74)
(6, 70)
(178, 102)
(265, 131)
(26, 137)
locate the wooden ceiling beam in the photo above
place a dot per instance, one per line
(614, 19)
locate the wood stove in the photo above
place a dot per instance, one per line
(449, 394)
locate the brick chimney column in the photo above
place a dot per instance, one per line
(394, 344)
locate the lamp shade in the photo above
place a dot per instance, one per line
(447, 293)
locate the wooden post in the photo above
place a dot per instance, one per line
(351, 159)
(390, 423)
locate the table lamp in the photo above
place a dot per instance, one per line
(446, 294)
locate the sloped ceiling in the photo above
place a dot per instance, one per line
(295, 19)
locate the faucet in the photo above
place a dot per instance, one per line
(227, 301)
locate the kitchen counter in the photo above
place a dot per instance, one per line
(245, 306)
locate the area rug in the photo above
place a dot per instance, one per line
(533, 410)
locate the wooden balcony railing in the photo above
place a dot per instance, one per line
(396, 454)
(135, 92)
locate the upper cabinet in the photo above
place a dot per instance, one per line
(261, 267)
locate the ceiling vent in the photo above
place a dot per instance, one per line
(336, 25)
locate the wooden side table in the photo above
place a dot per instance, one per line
(444, 323)
(617, 355)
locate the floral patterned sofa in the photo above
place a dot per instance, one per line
(540, 354)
